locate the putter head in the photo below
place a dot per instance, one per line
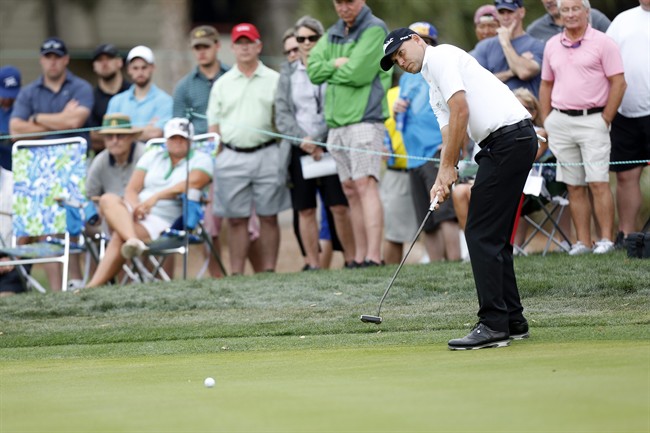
(371, 319)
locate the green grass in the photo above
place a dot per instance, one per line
(290, 355)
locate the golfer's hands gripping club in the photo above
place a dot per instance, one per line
(441, 189)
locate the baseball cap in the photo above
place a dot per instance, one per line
(118, 123)
(141, 52)
(426, 30)
(54, 46)
(203, 35)
(245, 30)
(108, 49)
(9, 82)
(179, 126)
(391, 43)
(487, 13)
(512, 5)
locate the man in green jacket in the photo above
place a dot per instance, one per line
(355, 109)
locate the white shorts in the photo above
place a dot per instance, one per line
(153, 224)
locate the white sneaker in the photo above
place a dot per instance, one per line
(604, 246)
(579, 248)
(75, 285)
(133, 247)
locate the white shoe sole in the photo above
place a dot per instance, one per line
(492, 344)
(520, 336)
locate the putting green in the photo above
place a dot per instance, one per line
(532, 386)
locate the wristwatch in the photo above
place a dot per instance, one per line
(32, 118)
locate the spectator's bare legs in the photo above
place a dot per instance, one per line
(373, 215)
(269, 241)
(628, 198)
(309, 235)
(451, 241)
(580, 213)
(356, 219)
(117, 215)
(343, 227)
(238, 244)
(393, 252)
(326, 252)
(461, 194)
(120, 220)
(603, 208)
(54, 272)
(110, 264)
(213, 265)
(435, 245)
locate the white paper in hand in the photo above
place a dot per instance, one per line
(312, 169)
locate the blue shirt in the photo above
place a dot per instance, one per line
(156, 105)
(490, 55)
(192, 93)
(421, 133)
(36, 98)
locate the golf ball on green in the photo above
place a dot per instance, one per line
(209, 382)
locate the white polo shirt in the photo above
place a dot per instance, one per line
(448, 69)
(160, 175)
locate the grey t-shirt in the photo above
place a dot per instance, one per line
(104, 175)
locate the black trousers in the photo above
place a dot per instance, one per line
(504, 163)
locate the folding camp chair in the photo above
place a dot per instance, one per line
(552, 208)
(44, 171)
(175, 239)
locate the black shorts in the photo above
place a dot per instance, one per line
(630, 141)
(303, 191)
(422, 179)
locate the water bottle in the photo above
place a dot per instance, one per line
(399, 121)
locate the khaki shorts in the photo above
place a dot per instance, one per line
(400, 223)
(356, 149)
(246, 181)
(580, 139)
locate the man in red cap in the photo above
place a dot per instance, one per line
(247, 175)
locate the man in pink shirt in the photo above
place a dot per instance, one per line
(582, 87)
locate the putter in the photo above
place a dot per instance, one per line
(377, 319)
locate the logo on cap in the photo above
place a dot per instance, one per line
(390, 41)
(10, 82)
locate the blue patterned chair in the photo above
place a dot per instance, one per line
(46, 172)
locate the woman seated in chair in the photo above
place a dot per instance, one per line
(151, 199)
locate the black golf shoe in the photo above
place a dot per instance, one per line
(518, 330)
(481, 337)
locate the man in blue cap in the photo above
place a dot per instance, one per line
(9, 88)
(468, 100)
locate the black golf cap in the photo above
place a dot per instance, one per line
(108, 49)
(392, 42)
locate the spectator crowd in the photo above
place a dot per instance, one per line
(584, 80)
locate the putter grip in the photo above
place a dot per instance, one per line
(432, 207)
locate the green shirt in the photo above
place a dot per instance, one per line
(356, 92)
(242, 106)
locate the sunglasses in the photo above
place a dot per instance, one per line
(568, 44)
(312, 38)
(291, 51)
